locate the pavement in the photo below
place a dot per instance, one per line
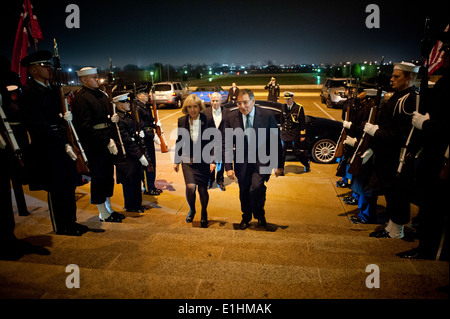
(309, 250)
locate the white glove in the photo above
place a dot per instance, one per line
(350, 141)
(371, 129)
(418, 119)
(158, 123)
(347, 124)
(141, 134)
(367, 155)
(68, 116)
(112, 147)
(143, 161)
(115, 118)
(70, 152)
(157, 140)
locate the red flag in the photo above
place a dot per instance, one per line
(435, 58)
(21, 44)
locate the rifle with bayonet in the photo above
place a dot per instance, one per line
(139, 138)
(159, 131)
(423, 89)
(82, 161)
(112, 111)
(9, 135)
(363, 146)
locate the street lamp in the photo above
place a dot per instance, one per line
(362, 72)
(151, 73)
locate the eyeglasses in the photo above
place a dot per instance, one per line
(244, 102)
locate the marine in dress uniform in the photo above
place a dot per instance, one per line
(216, 115)
(274, 90)
(293, 130)
(252, 175)
(388, 138)
(92, 120)
(129, 169)
(148, 125)
(51, 163)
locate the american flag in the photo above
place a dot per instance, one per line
(27, 22)
(435, 58)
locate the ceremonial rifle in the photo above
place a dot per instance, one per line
(82, 161)
(420, 98)
(363, 146)
(159, 131)
(9, 135)
(140, 140)
(109, 90)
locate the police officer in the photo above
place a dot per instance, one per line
(52, 160)
(388, 138)
(147, 125)
(129, 170)
(274, 90)
(293, 130)
(92, 120)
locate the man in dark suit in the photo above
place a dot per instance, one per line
(215, 115)
(250, 133)
(233, 93)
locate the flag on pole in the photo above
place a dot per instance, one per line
(435, 58)
(27, 22)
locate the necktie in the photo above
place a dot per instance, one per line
(248, 123)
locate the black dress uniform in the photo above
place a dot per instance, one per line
(129, 170)
(148, 125)
(233, 93)
(50, 167)
(91, 119)
(293, 128)
(274, 92)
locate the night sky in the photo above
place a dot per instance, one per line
(242, 32)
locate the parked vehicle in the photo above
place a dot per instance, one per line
(170, 93)
(333, 92)
(321, 134)
(204, 92)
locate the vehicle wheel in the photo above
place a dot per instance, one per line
(323, 151)
(329, 104)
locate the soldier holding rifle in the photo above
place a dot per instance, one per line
(93, 122)
(388, 138)
(52, 160)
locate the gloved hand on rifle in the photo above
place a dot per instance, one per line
(350, 141)
(115, 118)
(418, 119)
(366, 156)
(112, 147)
(157, 140)
(68, 116)
(158, 123)
(70, 152)
(347, 124)
(371, 129)
(141, 134)
(143, 161)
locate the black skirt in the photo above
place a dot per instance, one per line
(196, 173)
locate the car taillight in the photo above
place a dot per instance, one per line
(173, 94)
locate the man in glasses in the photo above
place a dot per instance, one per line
(51, 164)
(252, 165)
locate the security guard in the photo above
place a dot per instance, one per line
(293, 130)
(274, 90)
(129, 170)
(92, 120)
(52, 161)
(148, 125)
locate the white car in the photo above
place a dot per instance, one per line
(170, 93)
(333, 92)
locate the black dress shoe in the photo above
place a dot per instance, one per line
(415, 253)
(350, 200)
(117, 215)
(262, 222)
(210, 184)
(307, 168)
(204, 223)
(243, 225)
(190, 217)
(111, 219)
(357, 220)
(221, 186)
(341, 184)
(380, 234)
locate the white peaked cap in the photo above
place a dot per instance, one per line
(406, 66)
(87, 71)
(121, 98)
